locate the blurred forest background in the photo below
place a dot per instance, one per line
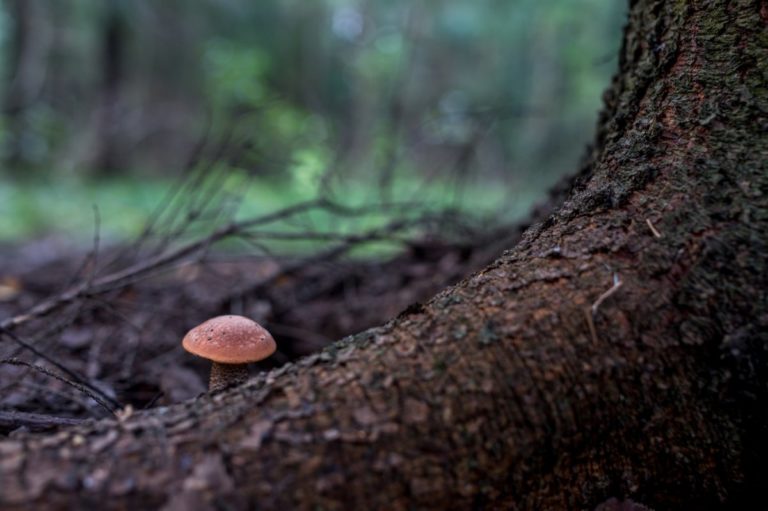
(168, 161)
(477, 106)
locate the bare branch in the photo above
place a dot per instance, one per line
(161, 261)
(12, 419)
(80, 382)
(43, 370)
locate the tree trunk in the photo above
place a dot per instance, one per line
(114, 35)
(620, 350)
(27, 59)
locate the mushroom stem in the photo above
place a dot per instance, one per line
(224, 375)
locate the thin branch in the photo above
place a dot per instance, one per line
(80, 382)
(96, 242)
(653, 229)
(616, 285)
(91, 258)
(591, 311)
(591, 324)
(139, 270)
(79, 387)
(12, 419)
(332, 252)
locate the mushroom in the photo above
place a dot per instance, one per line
(231, 342)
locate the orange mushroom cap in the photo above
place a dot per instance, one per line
(230, 340)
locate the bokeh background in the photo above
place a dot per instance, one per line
(475, 105)
(319, 166)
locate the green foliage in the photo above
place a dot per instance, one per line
(31, 208)
(234, 74)
(307, 168)
(468, 104)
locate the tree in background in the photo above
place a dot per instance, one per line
(369, 88)
(27, 54)
(114, 37)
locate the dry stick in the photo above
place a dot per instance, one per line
(107, 306)
(12, 419)
(91, 258)
(41, 369)
(96, 243)
(199, 199)
(616, 285)
(202, 196)
(126, 276)
(590, 312)
(119, 278)
(170, 204)
(21, 342)
(318, 236)
(655, 232)
(94, 286)
(175, 209)
(591, 323)
(152, 401)
(325, 255)
(40, 340)
(51, 329)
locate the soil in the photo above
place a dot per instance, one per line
(127, 343)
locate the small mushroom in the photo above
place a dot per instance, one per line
(231, 342)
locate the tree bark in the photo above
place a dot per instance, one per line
(620, 350)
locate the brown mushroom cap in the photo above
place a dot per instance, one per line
(230, 340)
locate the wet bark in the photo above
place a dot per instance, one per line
(528, 385)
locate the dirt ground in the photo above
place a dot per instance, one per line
(124, 344)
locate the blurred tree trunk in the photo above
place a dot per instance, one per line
(114, 38)
(27, 62)
(619, 350)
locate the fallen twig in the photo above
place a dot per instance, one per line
(653, 229)
(141, 269)
(591, 311)
(41, 369)
(77, 379)
(616, 285)
(12, 419)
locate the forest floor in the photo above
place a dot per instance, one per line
(124, 344)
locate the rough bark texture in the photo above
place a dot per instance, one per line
(496, 394)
